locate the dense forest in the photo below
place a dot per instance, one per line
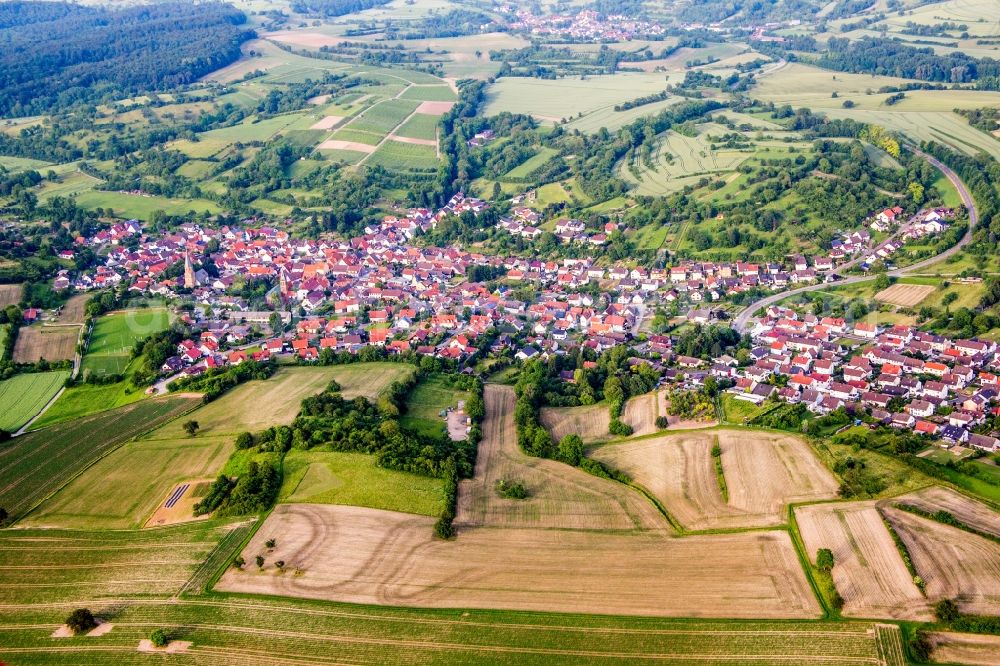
(55, 54)
(890, 58)
(334, 7)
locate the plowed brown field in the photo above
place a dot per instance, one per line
(868, 571)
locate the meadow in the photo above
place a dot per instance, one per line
(553, 100)
(336, 477)
(23, 396)
(114, 335)
(256, 405)
(122, 489)
(425, 403)
(34, 466)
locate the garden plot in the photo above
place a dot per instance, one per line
(763, 473)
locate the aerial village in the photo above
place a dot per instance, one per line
(382, 289)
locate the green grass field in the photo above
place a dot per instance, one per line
(123, 489)
(426, 402)
(142, 207)
(23, 396)
(115, 334)
(333, 477)
(315, 632)
(429, 94)
(523, 169)
(85, 399)
(54, 565)
(406, 156)
(384, 117)
(420, 126)
(34, 466)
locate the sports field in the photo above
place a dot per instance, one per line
(114, 335)
(23, 396)
(37, 464)
(763, 473)
(336, 477)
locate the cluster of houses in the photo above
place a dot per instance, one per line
(523, 221)
(586, 24)
(900, 376)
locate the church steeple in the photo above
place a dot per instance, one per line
(189, 280)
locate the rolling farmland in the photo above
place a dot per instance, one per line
(37, 464)
(23, 396)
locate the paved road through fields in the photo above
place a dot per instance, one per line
(743, 318)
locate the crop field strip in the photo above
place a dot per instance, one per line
(37, 464)
(23, 396)
(273, 631)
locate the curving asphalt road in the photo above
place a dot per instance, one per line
(743, 318)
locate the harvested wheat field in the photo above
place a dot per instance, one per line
(591, 422)
(53, 343)
(434, 108)
(972, 649)
(937, 498)
(327, 122)
(10, 294)
(74, 310)
(954, 563)
(370, 556)
(869, 572)
(560, 496)
(419, 142)
(764, 473)
(336, 144)
(904, 295)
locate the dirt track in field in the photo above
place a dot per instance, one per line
(560, 496)
(764, 473)
(868, 571)
(370, 556)
(954, 563)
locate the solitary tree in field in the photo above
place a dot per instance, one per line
(191, 427)
(280, 564)
(269, 543)
(260, 561)
(824, 559)
(81, 621)
(3, 516)
(159, 638)
(238, 561)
